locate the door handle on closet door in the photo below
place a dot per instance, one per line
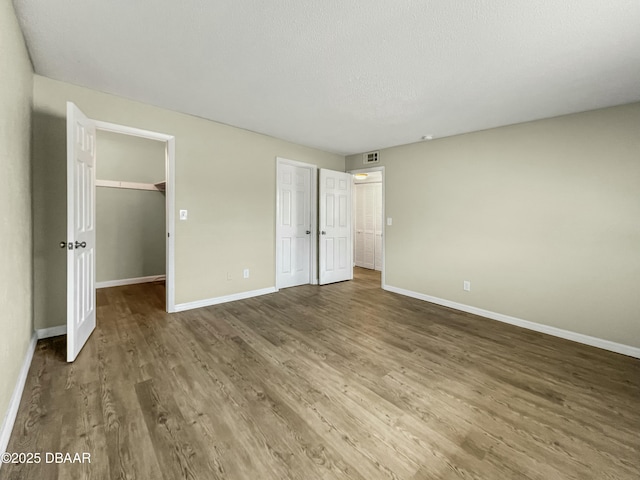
(308, 232)
(80, 245)
(323, 232)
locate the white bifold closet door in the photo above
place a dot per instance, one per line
(379, 222)
(368, 222)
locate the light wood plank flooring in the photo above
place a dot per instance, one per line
(344, 381)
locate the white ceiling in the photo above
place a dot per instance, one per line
(346, 76)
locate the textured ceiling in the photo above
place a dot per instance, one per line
(346, 76)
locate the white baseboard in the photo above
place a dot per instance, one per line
(10, 417)
(181, 307)
(538, 327)
(51, 332)
(130, 281)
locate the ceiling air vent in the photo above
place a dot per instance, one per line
(371, 157)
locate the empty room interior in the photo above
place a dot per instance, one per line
(320, 240)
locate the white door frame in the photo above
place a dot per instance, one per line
(384, 217)
(313, 251)
(170, 161)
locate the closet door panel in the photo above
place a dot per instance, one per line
(365, 244)
(379, 223)
(369, 227)
(359, 226)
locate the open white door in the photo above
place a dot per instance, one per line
(81, 235)
(293, 230)
(336, 245)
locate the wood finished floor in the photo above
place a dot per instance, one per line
(344, 381)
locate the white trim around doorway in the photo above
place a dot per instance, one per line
(170, 160)
(384, 215)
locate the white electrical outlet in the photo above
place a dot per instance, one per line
(466, 285)
(245, 273)
(389, 221)
(183, 214)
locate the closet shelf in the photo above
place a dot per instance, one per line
(156, 187)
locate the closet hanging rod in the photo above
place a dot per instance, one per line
(157, 187)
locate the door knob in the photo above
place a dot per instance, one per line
(323, 232)
(80, 245)
(308, 232)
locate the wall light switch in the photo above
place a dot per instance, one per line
(389, 221)
(245, 273)
(183, 214)
(466, 286)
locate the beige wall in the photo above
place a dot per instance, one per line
(130, 224)
(225, 178)
(129, 158)
(16, 318)
(543, 218)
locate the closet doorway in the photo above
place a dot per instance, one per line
(133, 207)
(368, 214)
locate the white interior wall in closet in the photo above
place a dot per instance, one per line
(368, 224)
